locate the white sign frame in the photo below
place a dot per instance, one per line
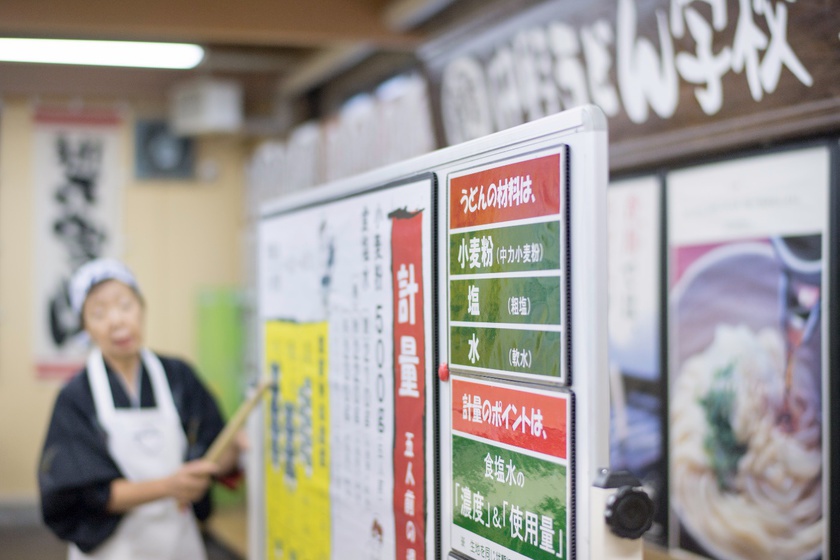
(584, 131)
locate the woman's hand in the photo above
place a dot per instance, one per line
(229, 460)
(186, 485)
(189, 483)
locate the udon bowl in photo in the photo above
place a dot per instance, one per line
(745, 446)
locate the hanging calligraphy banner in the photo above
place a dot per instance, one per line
(77, 185)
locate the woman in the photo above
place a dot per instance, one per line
(121, 475)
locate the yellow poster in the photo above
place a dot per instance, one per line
(297, 458)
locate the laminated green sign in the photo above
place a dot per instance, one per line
(515, 350)
(515, 500)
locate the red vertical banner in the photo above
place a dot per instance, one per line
(409, 385)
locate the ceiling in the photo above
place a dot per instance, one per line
(276, 48)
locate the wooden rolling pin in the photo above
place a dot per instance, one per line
(225, 437)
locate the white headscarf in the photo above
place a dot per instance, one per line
(92, 273)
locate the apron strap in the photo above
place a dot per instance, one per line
(160, 384)
(101, 388)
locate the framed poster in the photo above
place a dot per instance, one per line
(637, 387)
(748, 246)
(346, 304)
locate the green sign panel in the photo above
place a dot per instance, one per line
(514, 350)
(506, 249)
(507, 276)
(515, 500)
(534, 300)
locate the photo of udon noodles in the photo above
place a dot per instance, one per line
(745, 408)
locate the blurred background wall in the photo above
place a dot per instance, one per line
(179, 237)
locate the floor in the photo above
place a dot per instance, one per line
(31, 541)
(229, 524)
(35, 542)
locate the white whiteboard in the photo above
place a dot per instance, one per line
(578, 138)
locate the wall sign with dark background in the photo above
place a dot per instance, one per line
(676, 78)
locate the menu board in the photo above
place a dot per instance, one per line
(510, 442)
(345, 289)
(748, 247)
(507, 300)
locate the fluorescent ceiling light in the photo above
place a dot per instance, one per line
(101, 53)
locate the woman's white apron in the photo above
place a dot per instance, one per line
(145, 443)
